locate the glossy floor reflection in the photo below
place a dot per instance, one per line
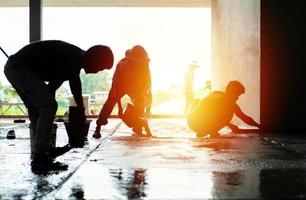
(171, 165)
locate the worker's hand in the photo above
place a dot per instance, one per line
(99, 123)
(77, 113)
(260, 128)
(97, 133)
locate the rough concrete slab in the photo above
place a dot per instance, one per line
(171, 165)
(17, 180)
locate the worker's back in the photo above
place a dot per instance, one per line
(211, 114)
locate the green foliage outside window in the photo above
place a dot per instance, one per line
(90, 83)
(95, 82)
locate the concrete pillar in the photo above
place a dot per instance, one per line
(35, 19)
(283, 66)
(236, 50)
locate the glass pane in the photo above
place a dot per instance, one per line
(14, 34)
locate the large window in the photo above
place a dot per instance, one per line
(173, 38)
(14, 34)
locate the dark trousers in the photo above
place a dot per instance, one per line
(40, 102)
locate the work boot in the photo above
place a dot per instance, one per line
(46, 165)
(58, 151)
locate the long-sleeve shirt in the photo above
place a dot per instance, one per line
(54, 61)
(133, 80)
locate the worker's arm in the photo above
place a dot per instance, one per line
(76, 90)
(245, 118)
(116, 92)
(54, 85)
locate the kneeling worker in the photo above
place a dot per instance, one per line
(216, 111)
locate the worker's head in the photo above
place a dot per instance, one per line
(193, 65)
(98, 58)
(137, 54)
(234, 89)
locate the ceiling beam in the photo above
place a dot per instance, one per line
(110, 3)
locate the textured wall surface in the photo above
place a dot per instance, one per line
(236, 49)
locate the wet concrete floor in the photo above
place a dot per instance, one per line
(171, 165)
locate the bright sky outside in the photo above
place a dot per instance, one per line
(173, 37)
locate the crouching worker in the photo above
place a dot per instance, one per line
(216, 111)
(36, 72)
(132, 77)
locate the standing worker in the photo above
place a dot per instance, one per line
(54, 62)
(188, 86)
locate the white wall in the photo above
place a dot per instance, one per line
(236, 49)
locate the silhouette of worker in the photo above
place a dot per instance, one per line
(36, 71)
(188, 86)
(216, 110)
(132, 77)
